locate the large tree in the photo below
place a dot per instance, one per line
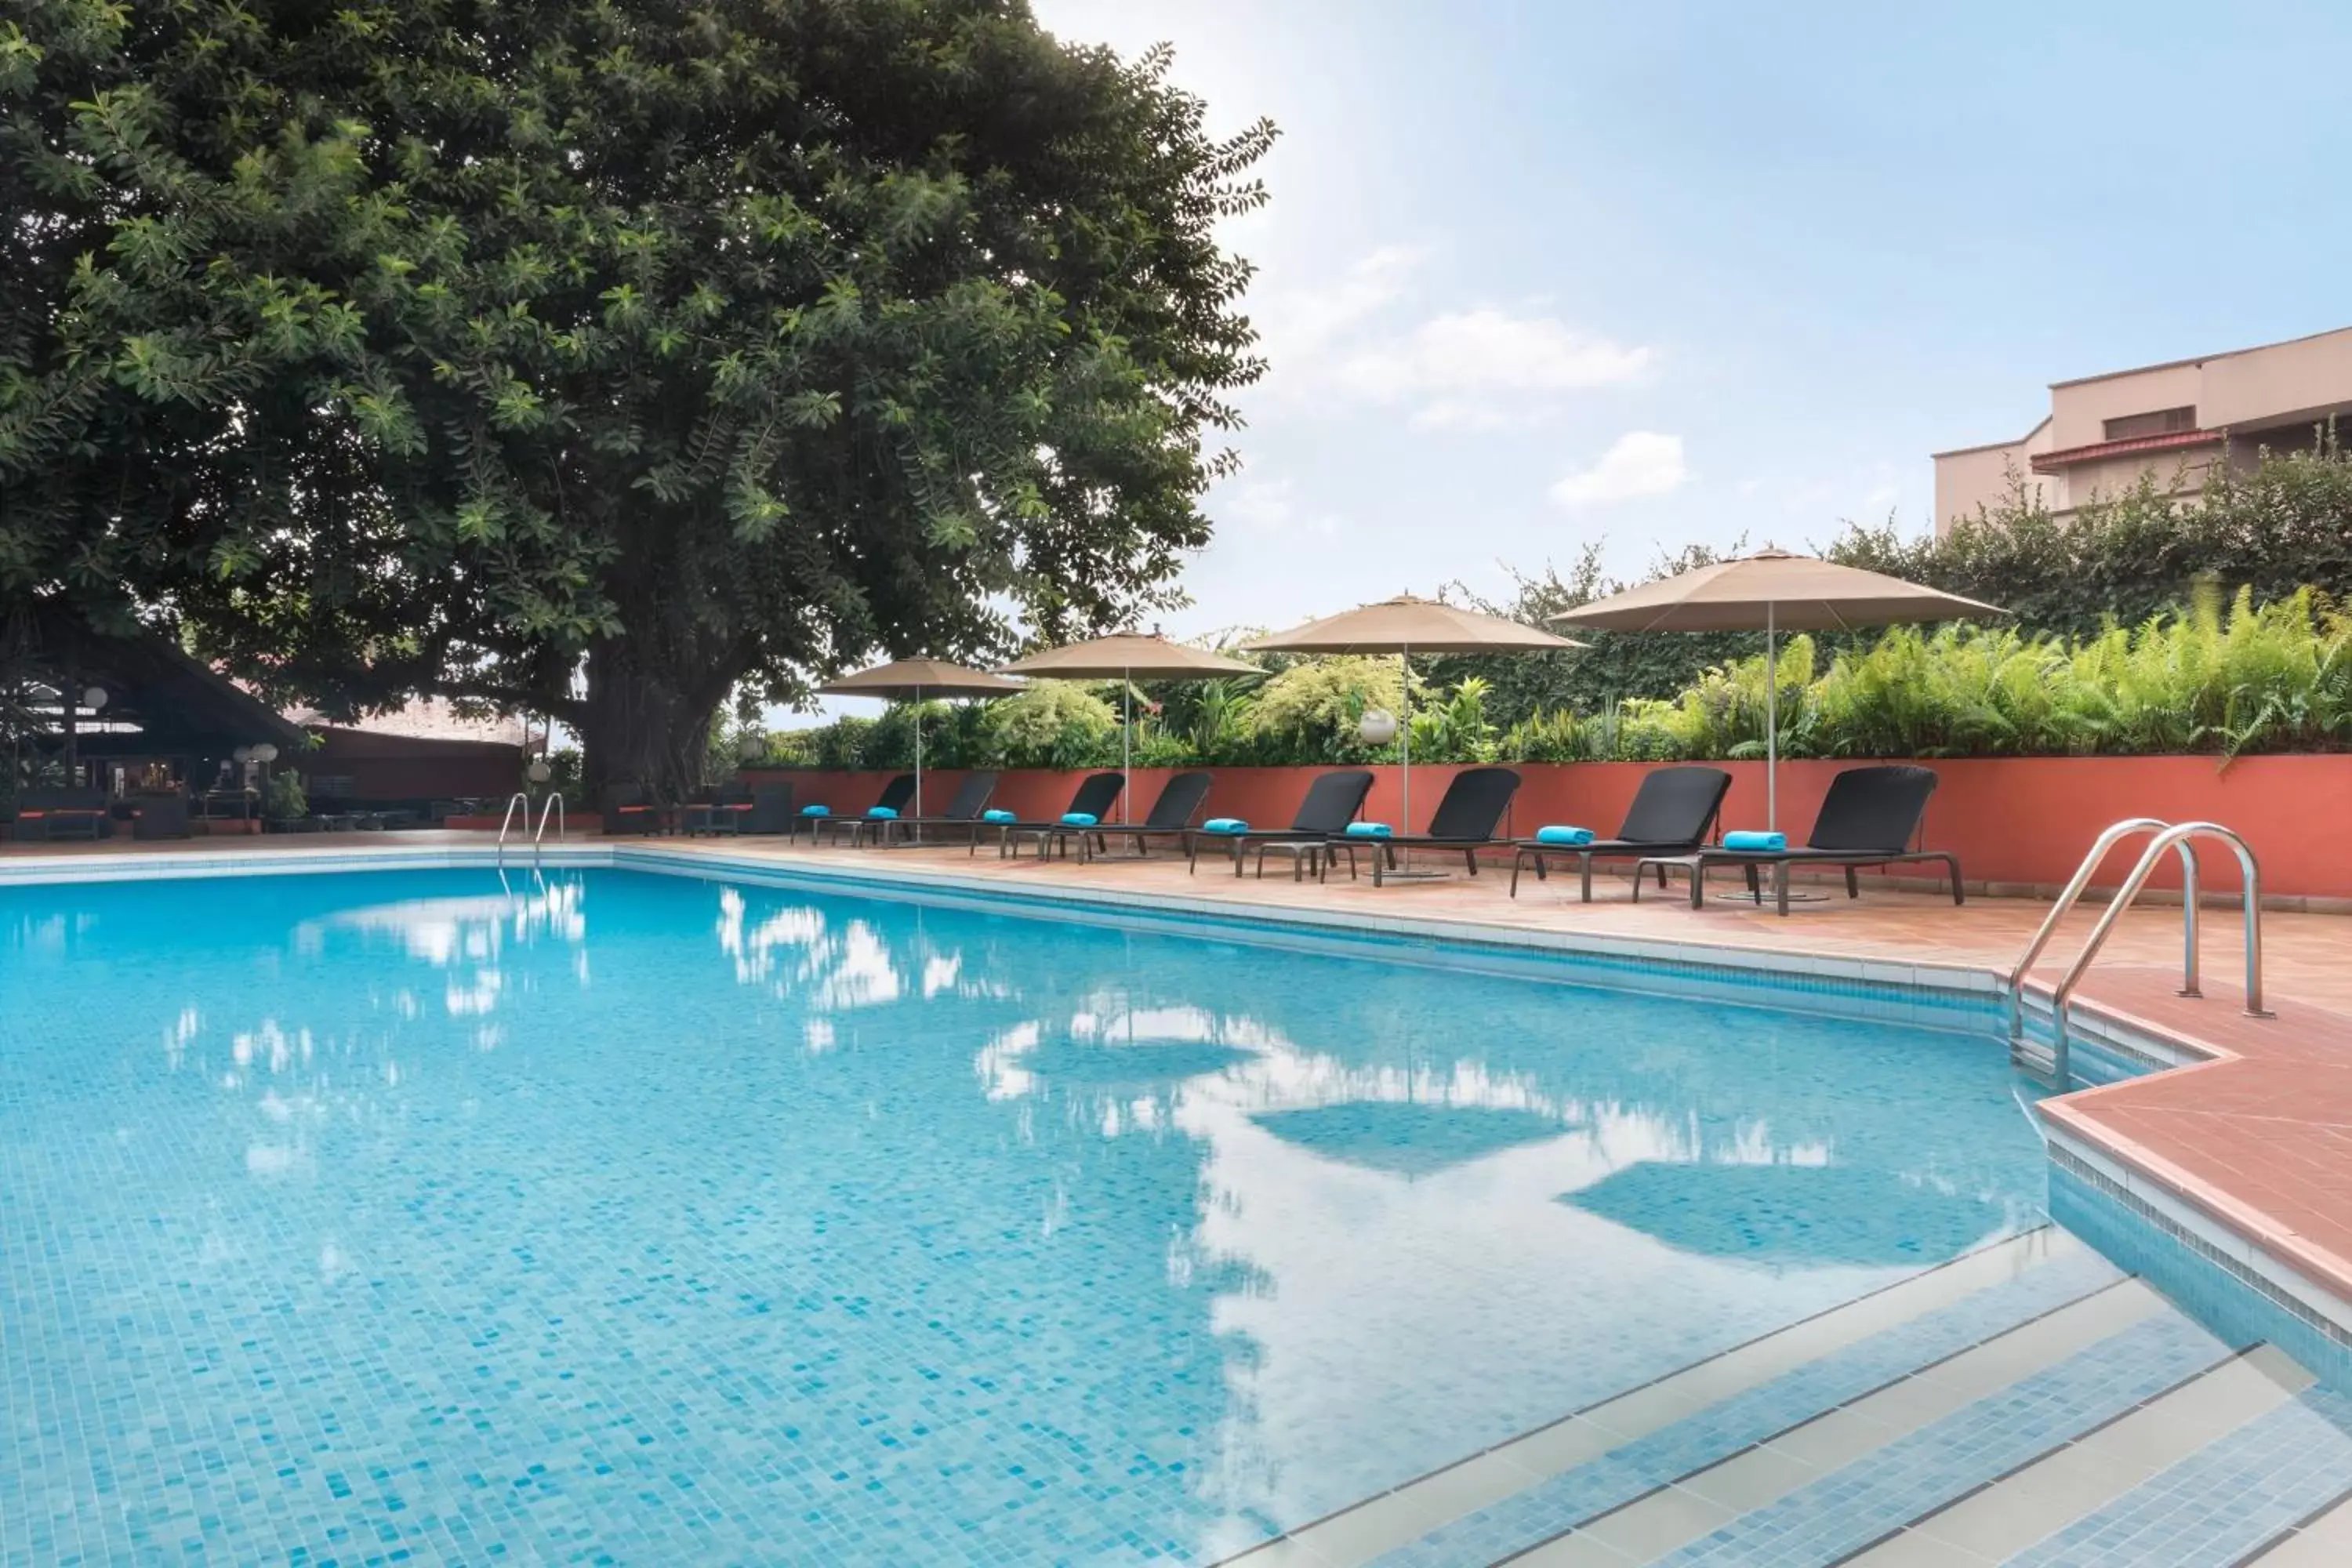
(602, 357)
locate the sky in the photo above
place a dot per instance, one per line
(1542, 272)
(1536, 272)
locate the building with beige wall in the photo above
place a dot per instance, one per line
(2174, 422)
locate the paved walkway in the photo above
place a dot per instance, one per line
(2260, 1136)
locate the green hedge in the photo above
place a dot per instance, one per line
(2214, 679)
(2284, 525)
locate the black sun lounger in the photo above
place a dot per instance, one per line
(1672, 813)
(963, 811)
(1096, 795)
(895, 796)
(1170, 817)
(1331, 803)
(1465, 819)
(1868, 818)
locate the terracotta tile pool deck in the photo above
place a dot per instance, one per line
(2257, 1135)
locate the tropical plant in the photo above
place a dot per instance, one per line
(1311, 711)
(286, 801)
(1053, 724)
(2221, 680)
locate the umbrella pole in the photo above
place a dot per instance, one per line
(1126, 740)
(1771, 726)
(919, 764)
(1404, 664)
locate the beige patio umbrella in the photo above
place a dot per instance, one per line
(1405, 625)
(906, 680)
(1772, 592)
(1121, 657)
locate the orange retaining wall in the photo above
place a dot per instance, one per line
(2010, 819)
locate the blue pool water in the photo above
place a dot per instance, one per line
(649, 1218)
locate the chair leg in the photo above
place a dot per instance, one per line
(1952, 874)
(1699, 882)
(1517, 856)
(1853, 883)
(1780, 885)
(1470, 859)
(1584, 877)
(1661, 877)
(1754, 888)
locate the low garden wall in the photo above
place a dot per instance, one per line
(2016, 823)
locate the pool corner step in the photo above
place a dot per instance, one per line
(1513, 1495)
(1844, 1482)
(2091, 1481)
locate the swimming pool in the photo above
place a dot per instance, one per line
(675, 1219)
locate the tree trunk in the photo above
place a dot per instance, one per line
(642, 727)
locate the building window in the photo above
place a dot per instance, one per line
(2163, 422)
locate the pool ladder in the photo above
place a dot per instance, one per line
(554, 808)
(2180, 839)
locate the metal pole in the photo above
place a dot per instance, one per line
(919, 765)
(1126, 739)
(1771, 725)
(1404, 659)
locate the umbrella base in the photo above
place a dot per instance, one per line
(1796, 896)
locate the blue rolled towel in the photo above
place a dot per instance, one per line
(1080, 818)
(885, 813)
(1756, 843)
(998, 814)
(816, 811)
(1368, 830)
(1225, 825)
(1559, 832)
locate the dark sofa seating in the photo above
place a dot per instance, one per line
(51, 813)
(162, 815)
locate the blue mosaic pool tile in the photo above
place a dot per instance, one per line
(2223, 1292)
(1923, 1470)
(601, 1215)
(2222, 1502)
(1576, 1495)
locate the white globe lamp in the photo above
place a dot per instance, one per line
(539, 773)
(94, 698)
(1377, 726)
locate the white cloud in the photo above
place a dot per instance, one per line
(1640, 463)
(1300, 324)
(1481, 369)
(1487, 352)
(1267, 504)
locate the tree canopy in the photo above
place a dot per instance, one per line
(604, 357)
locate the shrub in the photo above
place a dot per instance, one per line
(2214, 679)
(1053, 724)
(1310, 711)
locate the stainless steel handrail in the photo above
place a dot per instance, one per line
(2082, 875)
(518, 798)
(2180, 835)
(553, 808)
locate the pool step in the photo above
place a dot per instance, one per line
(1522, 1492)
(2323, 1540)
(1832, 1487)
(2111, 1483)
